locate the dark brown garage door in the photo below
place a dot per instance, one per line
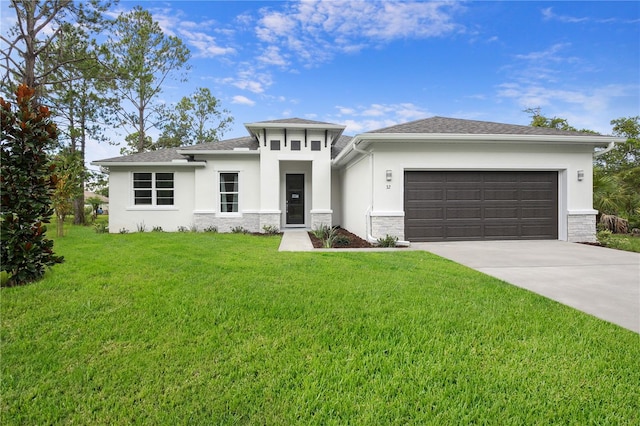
(463, 206)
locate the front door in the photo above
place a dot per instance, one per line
(295, 199)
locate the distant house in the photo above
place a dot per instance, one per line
(104, 201)
(437, 179)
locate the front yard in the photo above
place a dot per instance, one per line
(159, 328)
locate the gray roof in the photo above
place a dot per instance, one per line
(295, 120)
(170, 154)
(339, 145)
(160, 155)
(226, 145)
(473, 127)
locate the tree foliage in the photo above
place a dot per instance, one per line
(617, 174)
(142, 58)
(539, 120)
(195, 119)
(70, 172)
(26, 188)
(32, 55)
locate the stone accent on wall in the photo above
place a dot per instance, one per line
(381, 226)
(248, 221)
(319, 219)
(269, 219)
(581, 228)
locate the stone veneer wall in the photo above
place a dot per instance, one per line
(381, 226)
(319, 219)
(581, 228)
(249, 221)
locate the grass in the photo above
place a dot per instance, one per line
(175, 328)
(624, 242)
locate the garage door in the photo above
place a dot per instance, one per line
(463, 206)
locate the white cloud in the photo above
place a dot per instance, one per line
(250, 80)
(197, 35)
(313, 31)
(272, 56)
(242, 100)
(375, 116)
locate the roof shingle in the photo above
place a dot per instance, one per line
(473, 127)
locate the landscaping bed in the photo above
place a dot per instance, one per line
(353, 240)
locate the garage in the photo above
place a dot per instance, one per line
(480, 205)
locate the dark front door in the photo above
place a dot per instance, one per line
(295, 199)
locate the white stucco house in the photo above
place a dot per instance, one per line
(437, 179)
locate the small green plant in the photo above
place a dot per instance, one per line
(342, 240)
(387, 241)
(212, 229)
(157, 229)
(326, 234)
(239, 230)
(101, 228)
(270, 229)
(193, 227)
(183, 229)
(141, 227)
(123, 231)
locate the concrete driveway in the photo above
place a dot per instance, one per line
(599, 281)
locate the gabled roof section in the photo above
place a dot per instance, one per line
(159, 156)
(173, 155)
(295, 120)
(445, 125)
(342, 142)
(246, 142)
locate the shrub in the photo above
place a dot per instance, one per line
(193, 227)
(387, 241)
(342, 240)
(211, 228)
(183, 229)
(326, 234)
(614, 224)
(239, 230)
(101, 228)
(270, 229)
(123, 231)
(26, 184)
(141, 227)
(157, 229)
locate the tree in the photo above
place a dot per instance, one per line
(79, 97)
(26, 185)
(69, 168)
(621, 166)
(142, 57)
(192, 119)
(31, 56)
(539, 120)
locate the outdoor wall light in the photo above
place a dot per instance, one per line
(580, 175)
(389, 175)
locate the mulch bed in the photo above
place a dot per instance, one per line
(354, 240)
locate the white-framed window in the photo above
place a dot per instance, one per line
(153, 189)
(229, 192)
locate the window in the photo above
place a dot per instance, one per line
(229, 192)
(151, 189)
(315, 145)
(295, 145)
(275, 145)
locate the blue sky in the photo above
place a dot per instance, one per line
(372, 64)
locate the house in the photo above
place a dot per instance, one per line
(437, 179)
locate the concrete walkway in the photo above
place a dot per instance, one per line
(599, 281)
(295, 240)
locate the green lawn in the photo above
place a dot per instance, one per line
(160, 328)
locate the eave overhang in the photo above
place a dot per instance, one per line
(362, 141)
